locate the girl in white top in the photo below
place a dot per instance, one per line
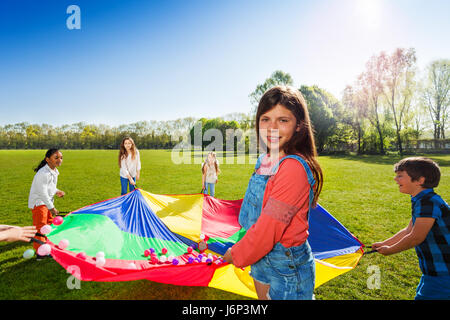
(43, 190)
(129, 164)
(210, 172)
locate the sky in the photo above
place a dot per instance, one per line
(135, 60)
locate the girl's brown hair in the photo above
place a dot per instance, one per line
(123, 154)
(216, 165)
(302, 141)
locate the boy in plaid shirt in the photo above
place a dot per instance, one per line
(429, 228)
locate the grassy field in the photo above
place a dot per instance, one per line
(359, 191)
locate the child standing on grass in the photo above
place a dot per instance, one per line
(42, 192)
(129, 164)
(428, 230)
(285, 184)
(210, 172)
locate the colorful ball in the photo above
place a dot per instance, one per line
(190, 260)
(208, 260)
(147, 252)
(163, 259)
(152, 250)
(163, 250)
(175, 261)
(64, 243)
(189, 249)
(28, 254)
(100, 254)
(44, 250)
(81, 255)
(58, 220)
(154, 260)
(100, 261)
(46, 229)
(131, 265)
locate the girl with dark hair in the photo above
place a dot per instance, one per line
(42, 192)
(286, 183)
(129, 164)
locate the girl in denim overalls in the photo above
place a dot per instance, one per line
(286, 183)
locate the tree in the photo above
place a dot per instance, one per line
(320, 104)
(436, 95)
(277, 78)
(398, 85)
(370, 89)
(356, 114)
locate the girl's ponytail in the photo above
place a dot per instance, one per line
(48, 154)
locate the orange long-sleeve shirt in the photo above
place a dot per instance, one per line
(283, 217)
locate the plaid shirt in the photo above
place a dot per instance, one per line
(434, 251)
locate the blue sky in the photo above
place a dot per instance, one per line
(162, 60)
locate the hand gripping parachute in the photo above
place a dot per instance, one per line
(125, 227)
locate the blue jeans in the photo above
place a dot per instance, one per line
(209, 186)
(124, 182)
(290, 272)
(433, 288)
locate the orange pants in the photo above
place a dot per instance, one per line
(41, 217)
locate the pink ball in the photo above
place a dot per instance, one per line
(147, 253)
(189, 249)
(163, 250)
(44, 250)
(64, 243)
(46, 229)
(58, 220)
(81, 255)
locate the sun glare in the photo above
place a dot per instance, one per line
(369, 11)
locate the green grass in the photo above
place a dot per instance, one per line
(358, 191)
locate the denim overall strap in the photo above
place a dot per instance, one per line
(309, 174)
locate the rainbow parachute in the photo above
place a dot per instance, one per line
(125, 227)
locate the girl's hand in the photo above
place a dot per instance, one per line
(60, 193)
(54, 211)
(227, 256)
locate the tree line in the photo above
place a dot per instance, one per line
(390, 105)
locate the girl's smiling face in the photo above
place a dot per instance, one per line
(55, 160)
(128, 144)
(276, 128)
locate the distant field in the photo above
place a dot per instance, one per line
(359, 191)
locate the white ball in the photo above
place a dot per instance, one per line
(100, 261)
(132, 266)
(163, 259)
(170, 258)
(100, 254)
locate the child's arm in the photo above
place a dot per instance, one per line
(395, 238)
(417, 235)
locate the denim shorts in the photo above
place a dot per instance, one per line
(290, 272)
